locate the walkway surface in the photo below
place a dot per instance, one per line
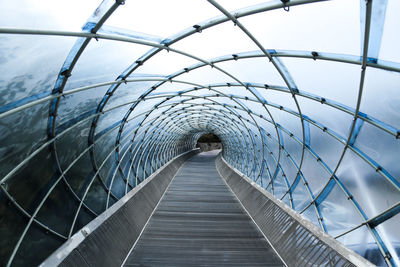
(199, 222)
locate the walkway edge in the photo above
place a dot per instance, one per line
(282, 225)
(248, 213)
(104, 229)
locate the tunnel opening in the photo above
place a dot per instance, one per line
(209, 142)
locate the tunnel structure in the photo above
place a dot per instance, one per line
(303, 95)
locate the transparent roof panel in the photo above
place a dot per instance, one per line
(206, 76)
(323, 113)
(166, 63)
(367, 185)
(169, 18)
(46, 14)
(384, 148)
(265, 72)
(381, 96)
(111, 60)
(15, 147)
(326, 147)
(390, 37)
(42, 57)
(309, 27)
(362, 235)
(82, 102)
(277, 97)
(219, 40)
(391, 236)
(332, 80)
(338, 206)
(127, 93)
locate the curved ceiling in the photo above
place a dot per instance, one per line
(302, 93)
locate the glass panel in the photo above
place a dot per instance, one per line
(81, 104)
(288, 121)
(294, 148)
(27, 186)
(79, 175)
(380, 147)
(279, 186)
(338, 212)
(83, 219)
(311, 215)
(323, 114)
(264, 72)
(107, 126)
(335, 81)
(301, 197)
(388, 231)
(97, 196)
(222, 39)
(73, 143)
(46, 14)
(104, 61)
(327, 148)
(20, 135)
(166, 63)
(208, 76)
(127, 93)
(361, 241)
(315, 175)
(102, 149)
(58, 211)
(276, 97)
(369, 188)
(389, 49)
(297, 29)
(286, 200)
(289, 169)
(42, 58)
(36, 237)
(11, 226)
(381, 96)
(180, 15)
(231, 5)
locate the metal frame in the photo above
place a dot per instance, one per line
(141, 149)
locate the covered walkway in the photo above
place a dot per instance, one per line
(199, 221)
(102, 101)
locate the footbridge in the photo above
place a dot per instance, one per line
(105, 106)
(199, 211)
